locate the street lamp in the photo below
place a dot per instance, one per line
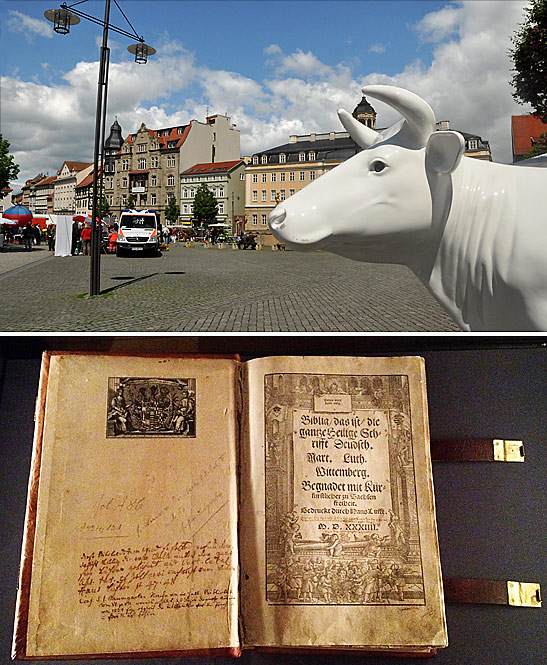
(62, 19)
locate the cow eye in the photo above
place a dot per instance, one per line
(378, 166)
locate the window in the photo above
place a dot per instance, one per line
(274, 177)
(221, 208)
(264, 159)
(312, 175)
(185, 209)
(301, 156)
(302, 176)
(153, 181)
(152, 199)
(282, 158)
(154, 161)
(264, 177)
(272, 195)
(255, 177)
(282, 177)
(291, 176)
(125, 164)
(255, 219)
(124, 200)
(171, 180)
(291, 192)
(473, 144)
(242, 176)
(255, 195)
(220, 191)
(141, 147)
(185, 193)
(141, 164)
(192, 192)
(124, 181)
(264, 199)
(282, 195)
(311, 156)
(180, 130)
(255, 159)
(264, 220)
(171, 160)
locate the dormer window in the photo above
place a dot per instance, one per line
(473, 144)
(311, 156)
(255, 159)
(301, 156)
(282, 158)
(264, 159)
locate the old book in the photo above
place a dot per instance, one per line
(192, 505)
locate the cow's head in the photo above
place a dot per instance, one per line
(383, 193)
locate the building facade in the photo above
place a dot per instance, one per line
(525, 131)
(43, 195)
(26, 191)
(6, 198)
(227, 182)
(475, 146)
(68, 177)
(146, 169)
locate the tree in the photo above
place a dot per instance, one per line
(172, 212)
(539, 147)
(8, 169)
(529, 57)
(130, 201)
(104, 208)
(205, 205)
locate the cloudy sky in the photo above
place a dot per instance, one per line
(276, 68)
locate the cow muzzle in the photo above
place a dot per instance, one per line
(298, 231)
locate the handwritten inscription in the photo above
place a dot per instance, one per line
(143, 581)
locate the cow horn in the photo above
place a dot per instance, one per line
(419, 116)
(362, 135)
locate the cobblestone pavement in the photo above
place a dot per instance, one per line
(211, 290)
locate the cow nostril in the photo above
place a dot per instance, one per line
(277, 217)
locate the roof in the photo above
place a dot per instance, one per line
(76, 166)
(87, 180)
(165, 136)
(212, 167)
(340, 148)
(46, 181)
(524, 128)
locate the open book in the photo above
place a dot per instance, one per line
(184, 505)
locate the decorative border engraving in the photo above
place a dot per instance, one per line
(148, 407)
(341, 511)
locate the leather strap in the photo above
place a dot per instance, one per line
(492, 592)
(476, 450)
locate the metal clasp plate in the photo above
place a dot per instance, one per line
(524, 594)
(508, 451)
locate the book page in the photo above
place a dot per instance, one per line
(338, 538)
(135, 544)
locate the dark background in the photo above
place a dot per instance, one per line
(491, 516)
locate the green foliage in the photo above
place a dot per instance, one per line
(205, 205)
(104, 208)
(8, 169)
(131, 201)
(539, 147)
(172, 212)
(529, 57)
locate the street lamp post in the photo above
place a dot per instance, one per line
(62, 19)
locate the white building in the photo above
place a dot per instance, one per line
(70, 175)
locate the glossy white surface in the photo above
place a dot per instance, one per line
(474, 232)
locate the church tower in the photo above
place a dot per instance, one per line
(365, 114)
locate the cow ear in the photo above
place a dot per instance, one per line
(444, 151)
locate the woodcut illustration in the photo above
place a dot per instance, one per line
(151, 407)
(341, 511)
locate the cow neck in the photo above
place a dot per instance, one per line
(468, 255)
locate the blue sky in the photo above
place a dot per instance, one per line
(275, 68)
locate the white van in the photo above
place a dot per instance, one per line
(137, 232)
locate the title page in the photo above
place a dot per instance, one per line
(338, 536)
(135, 543)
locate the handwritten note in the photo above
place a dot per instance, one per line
(139, 582)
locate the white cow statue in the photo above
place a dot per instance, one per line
(474, 232)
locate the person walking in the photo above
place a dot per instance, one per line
(86, 240)
(51, 237)
(28, 235)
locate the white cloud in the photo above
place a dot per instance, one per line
(378, 48)
(467, 83)
(28, 26)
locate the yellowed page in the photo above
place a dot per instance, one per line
(338, 544)
(135, 546)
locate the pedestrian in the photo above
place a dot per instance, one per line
(37, 234)
(51, 237)
(28, 235)
(86, 240)
(75, 238)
